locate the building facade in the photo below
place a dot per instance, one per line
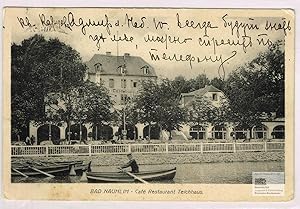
(273, 128)
(122, 76)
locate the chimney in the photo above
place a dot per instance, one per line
(126, 54)
(108, 53)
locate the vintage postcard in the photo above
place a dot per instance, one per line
(148, 104)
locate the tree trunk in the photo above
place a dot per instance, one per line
(160, 130)
(80, 133)
(170, 132)
(134, 133)
(149, 131)
(96, 133)
(69, 132)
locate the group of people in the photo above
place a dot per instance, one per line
(30, 141)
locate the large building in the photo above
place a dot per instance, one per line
(121, 75)
(271, 128)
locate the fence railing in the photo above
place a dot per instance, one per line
(59, 150)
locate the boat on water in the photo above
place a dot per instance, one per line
(121, 177)
(56, 170)
(79, 166)
(53, 168)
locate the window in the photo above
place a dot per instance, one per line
(111, 83)
(124, 98)
(122, 69)
(214, 97)
(134, 84)
(123, 83)
(145, 69)
(98, 67)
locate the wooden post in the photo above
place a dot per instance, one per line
(47, 151)
(129, 148)
(201, 147)
(83, 177)
(72, 170)
(90, 150)
(265, 146)
(234, 147)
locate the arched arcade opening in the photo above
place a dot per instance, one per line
(154, 131)
(131, 132)
(102, 132)
(48, 131)
(75, 132)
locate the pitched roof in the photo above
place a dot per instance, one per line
(201, 92)
(111, 64)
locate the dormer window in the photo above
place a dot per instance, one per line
(98, 67)
(145, 69)
(122, 69)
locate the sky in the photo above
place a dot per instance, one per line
(192, 28)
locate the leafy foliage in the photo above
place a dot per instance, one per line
(159, 103)
(88, 103)
(257, 88)
(40, 67)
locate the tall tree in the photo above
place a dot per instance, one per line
(146, 102)
(257, 88)
(201, 112)
(159, 103)
(218, 83)
(98, 104)
(182, 85)
(199, 82)
(40, 67)
(87, 103)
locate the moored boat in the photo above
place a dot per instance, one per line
(120, 177)
(56, 170)
(79, 166)
(53, 168)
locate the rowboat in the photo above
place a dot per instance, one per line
(79, 166)
(110, 177)
(56, 170)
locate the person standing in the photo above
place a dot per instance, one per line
(27, 141)
(32, 140)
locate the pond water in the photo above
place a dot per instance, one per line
(202, 173)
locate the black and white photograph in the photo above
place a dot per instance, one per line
(165, 99)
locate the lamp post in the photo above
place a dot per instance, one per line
(50, 131)
(124, 132)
